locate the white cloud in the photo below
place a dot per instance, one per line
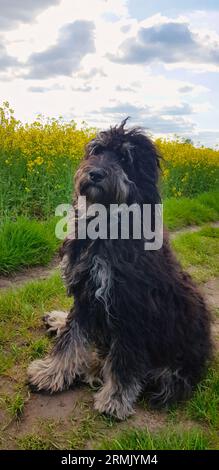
(76, 80)
(168, 42)
(13, 11)
(6, 60)
(74, 42)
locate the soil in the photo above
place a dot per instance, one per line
(29, 274)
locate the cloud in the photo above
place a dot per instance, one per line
(186, 89)
(123, 108)
(86, 88)
(93, 72)
(177, 110)
(42, 89)
(210, 137)
(170, 42)
(110, 17)
(6, 61)
(147, 117)
(125, 88)
(38, 89)
(75, 41)
(13, 11)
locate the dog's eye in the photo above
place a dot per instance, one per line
(97, 150)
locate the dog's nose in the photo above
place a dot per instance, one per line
(97, 175)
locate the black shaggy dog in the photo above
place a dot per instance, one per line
(138, 324)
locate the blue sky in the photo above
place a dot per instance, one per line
(140, 8)
(101, 60)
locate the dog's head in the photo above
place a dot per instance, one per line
(120, 165)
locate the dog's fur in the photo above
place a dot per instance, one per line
(138, 324)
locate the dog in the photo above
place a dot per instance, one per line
(139, 325)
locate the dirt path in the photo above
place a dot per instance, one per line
(41, 272)
(29, 274)
(191, 228)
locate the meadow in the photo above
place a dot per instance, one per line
(37, 164)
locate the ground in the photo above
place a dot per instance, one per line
(67, 420)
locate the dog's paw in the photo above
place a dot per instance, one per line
(45, 375)
(55, 321)
(116, 406)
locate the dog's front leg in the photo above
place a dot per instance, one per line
(120, 389)
(67, 361)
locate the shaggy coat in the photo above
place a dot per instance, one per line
(139, 325)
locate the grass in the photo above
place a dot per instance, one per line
(167, 439)
(15, 405)
(199, 252)
(183, 212)
(204, 406)
(34, 442)
(23, 339)
(26, 243)
(21, 313)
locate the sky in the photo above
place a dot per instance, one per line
(100, 61)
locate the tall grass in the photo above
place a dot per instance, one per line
(26, 243)
(184, 211)
(168, 439)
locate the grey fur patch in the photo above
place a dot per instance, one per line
(57, 371)
(93, 374)
(102, 278)
(113, 399)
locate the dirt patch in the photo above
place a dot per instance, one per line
(59, 407)
(211, 292)
(28, 274)
(191, 228)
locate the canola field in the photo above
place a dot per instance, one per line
(38, 161)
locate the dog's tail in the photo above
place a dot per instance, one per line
(164, 387)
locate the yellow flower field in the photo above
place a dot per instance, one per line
(37, 162)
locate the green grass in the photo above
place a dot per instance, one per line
(26, 243)
(39, 348)
(15, 405)
(21, 313)
(34, 442)
(182, 212)
(204, 405)
(199, 252)
(166, 439)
